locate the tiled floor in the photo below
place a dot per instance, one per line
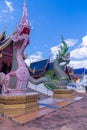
(50, 101)
(67, 117)
(58, 103)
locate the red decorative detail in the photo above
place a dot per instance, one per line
(25, 31)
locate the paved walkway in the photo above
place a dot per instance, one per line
(70, 117)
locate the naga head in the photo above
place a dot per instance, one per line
(22, 32)
(63, 54)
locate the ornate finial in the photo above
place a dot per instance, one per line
(24, 19)
(5, 28)
(23, 28)
(62, 38)
(4, 32)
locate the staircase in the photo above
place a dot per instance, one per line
(41, 89)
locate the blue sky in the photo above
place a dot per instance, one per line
(49, 20)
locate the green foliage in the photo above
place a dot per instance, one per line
(51, 75)
(50, 72)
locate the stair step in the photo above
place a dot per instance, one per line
(41, 89)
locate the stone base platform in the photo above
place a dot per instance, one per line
(63, 93)
(14, 105)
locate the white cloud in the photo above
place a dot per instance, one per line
(34, 57)
(71, 42)
(79, 53)
(54, 51)
(9, 5)
(84, 41)
(78, 64)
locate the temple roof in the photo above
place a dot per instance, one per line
(5, 43)
(40, 68)
(39, 65)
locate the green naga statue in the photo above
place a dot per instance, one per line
(60, 62)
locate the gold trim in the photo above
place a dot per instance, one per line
(6, 44)
(63, 93)
(17, 105)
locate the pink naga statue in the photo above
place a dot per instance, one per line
(21, 40)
